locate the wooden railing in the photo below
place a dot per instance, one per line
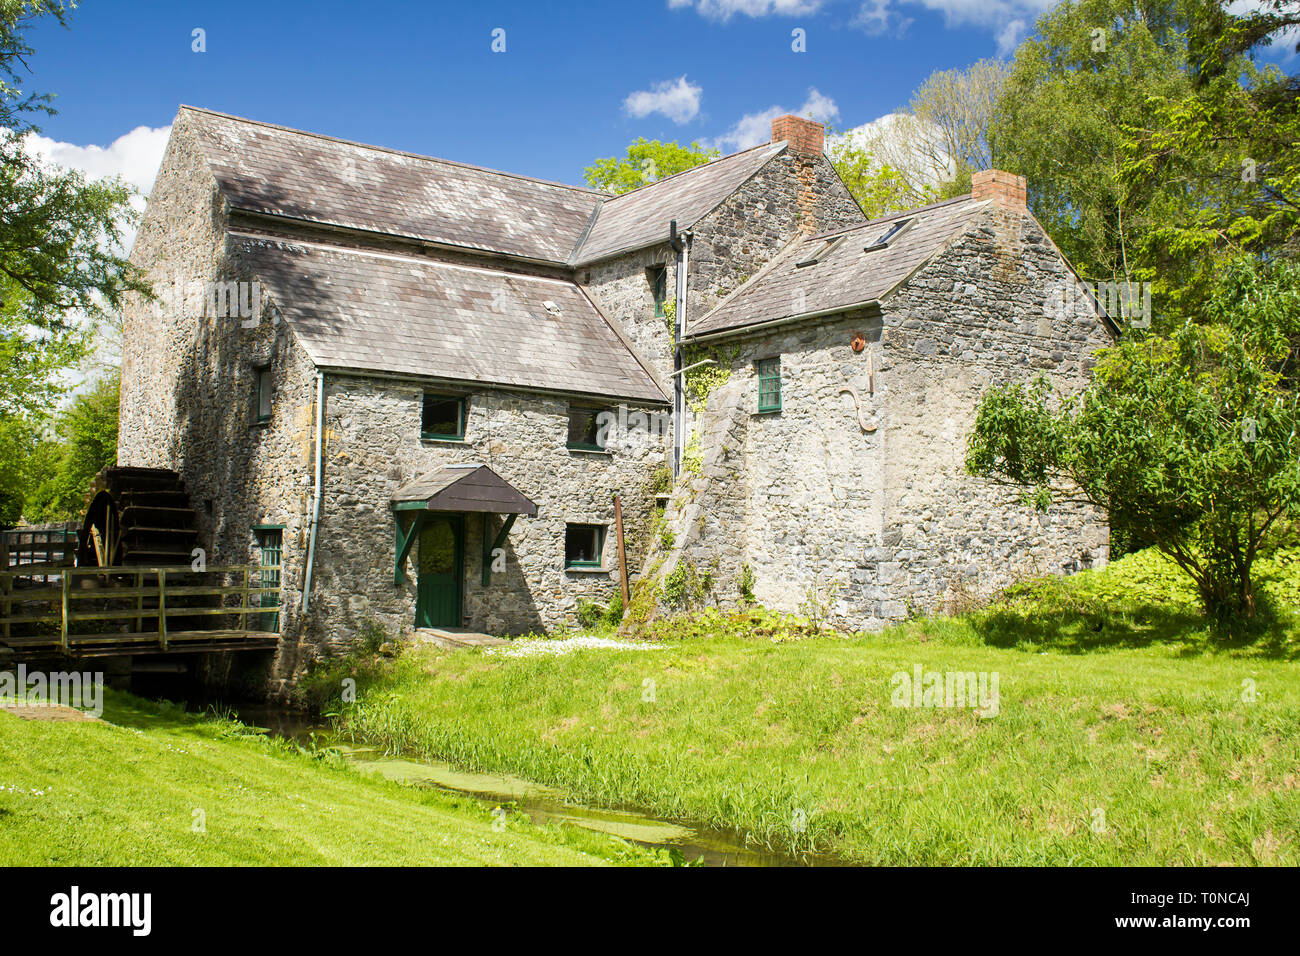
(154, 608)
(37, 551)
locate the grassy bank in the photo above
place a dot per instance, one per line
(131, 789)
(1126, 732)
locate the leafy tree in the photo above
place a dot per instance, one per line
(63, 468)
(1189, 442)
(1232, 142)
(878, 188)
(928, 151)
(1072, 93)
(59, 273)
(647, 161)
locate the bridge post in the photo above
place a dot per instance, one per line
(162, 608)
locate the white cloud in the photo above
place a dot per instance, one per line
(676, 99)
(725, 9)
(875, 18)
(135, 156)
(1009, 37)
(1006, 19)
(755, 128)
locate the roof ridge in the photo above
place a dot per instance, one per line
(683, 172)
(598, 194)
(892, 216)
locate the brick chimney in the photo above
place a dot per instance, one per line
(1007, 190)
(803, 135)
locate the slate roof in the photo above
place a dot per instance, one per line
(263, 168)
(844, 275)
(640, 218)
(381, 312)
(465, 488)
(271, 169)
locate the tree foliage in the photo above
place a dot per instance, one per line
(928, 151)
(63, 467)
(60, 271)
(647, 161)
(1189, 441)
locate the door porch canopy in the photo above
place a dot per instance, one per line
(460, 489)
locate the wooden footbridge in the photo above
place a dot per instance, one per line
(50, 606)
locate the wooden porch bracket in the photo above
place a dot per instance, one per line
(404, 542)
(497, 542)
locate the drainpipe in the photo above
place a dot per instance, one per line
(316, 498)
(679, 329)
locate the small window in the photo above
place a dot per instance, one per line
(262, 392)
(583, 544)
(443, 417)
(585, 432)
(659, 287)
(769, 385)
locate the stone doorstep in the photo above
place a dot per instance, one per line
(452, 638)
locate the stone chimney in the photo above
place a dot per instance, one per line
(1007, 190)
(803, 135)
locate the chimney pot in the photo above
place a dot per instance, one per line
(1007, 190)
(803, 135)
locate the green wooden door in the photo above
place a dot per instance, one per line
(442, 546)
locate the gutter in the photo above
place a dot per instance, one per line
(787, 320)
(316, 498)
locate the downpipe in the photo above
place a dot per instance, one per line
(316, 498)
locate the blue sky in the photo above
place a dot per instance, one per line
(577, 80)
(423, 77)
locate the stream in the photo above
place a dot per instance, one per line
(542, 803)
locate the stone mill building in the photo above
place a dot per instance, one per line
(421, 385)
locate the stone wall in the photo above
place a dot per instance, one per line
(374, 447)
(742, 235)
(807, 495)
(188, 382)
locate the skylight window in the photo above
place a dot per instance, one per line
(890, 233)
(826, 248)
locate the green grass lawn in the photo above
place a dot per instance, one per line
(127, 791)
(1127, 733)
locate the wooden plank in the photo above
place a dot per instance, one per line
(162, 610)
(64, 582)
(622, 554)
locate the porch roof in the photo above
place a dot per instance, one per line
(463, 488)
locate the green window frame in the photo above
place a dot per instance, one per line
(584, 428)
(437, 419)
(659, 288)
(769, 384)
(263, 390)
(584, 545)
(270, 557)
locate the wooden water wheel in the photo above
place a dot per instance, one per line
(137, 516)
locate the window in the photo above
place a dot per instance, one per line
(583, 544)
(659, 287)
(585, 433)
(262, 392)
(889, 234)
(443, 417)
(826, 248)
(270, 549)
(769, 385)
